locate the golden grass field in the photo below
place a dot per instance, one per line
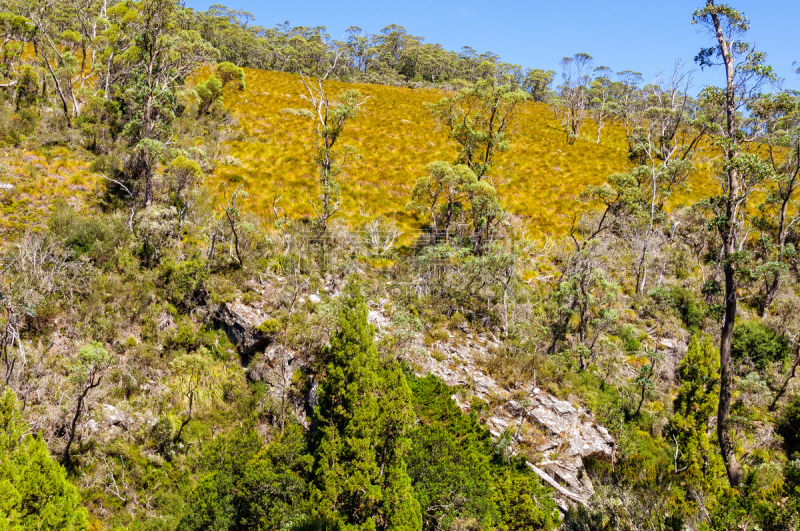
(38, 178)
(539, 179)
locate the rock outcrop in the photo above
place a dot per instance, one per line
(239, 321)
(555, 435)
(566, 435)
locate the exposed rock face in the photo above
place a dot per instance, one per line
(239, 321)
(554, 434)
(277, 367)
(567, 432)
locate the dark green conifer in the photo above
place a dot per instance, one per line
(364, 415)
(34, 490)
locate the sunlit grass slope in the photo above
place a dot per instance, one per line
(538, 179)
(38, 177)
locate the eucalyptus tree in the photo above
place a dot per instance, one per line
(629, 99)
(67, 55)
(538, 83)
(573, 93)
(87, 372)
(161, 58)
(665, 143)
(602, 104)
(585, 293)
(478, 118)
(778, 116)
(331, 116)
(746, 74)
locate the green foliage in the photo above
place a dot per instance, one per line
(788, 427)
(184, 282)
(452, 195)
(687, 308)
(478, 117)
(755, 342)
(249, 486)
(228, 72)
(783, 512)
(364, 415)
(34, 490)
(155, 227)
(209, 93)
(451, 478)
(456, 474)
(27, 88)
(270, 327)
(523, 503)
(694, 405)
(92, 359)
(275, 482)
(97, 237)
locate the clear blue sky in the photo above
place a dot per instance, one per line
(644, 36)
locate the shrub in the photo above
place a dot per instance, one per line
(182, 338)
(228, 72)
(758, 343)
(25, 121)
(457, 320)
(687, 308)
(788, 427)
(185, 282)
(98, 237)
(269, 327)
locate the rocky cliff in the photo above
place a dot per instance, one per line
(554, 435)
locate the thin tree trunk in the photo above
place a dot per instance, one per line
(785, 384)
(727, 232)
(772, 290)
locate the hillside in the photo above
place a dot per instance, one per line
(174, 358)
(539, 178)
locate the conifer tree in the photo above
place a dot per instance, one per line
(695, 458)
(34, 490)
(364, 415)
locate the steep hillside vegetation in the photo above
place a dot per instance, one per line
(540, 178)
(206, 324)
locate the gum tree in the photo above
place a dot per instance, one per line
(331, 116)
(478, 118)
(745, 75)
(574, 92)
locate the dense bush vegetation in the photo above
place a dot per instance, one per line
(181, 349)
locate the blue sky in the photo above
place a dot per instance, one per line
(645, 36)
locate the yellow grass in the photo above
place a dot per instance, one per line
(39, 177)
(539, 179)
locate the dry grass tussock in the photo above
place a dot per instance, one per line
(539, 179)
(36, 177)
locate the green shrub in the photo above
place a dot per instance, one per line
(630, 340)
(96, 237)
(26, 120)
(183, 338)
(436, 334)
(687, 308)
(788, 427)
(185, 282)
(270, 327)
(758, 343)
(457, 320)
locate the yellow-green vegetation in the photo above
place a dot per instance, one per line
(540, 178)
(37, 178)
